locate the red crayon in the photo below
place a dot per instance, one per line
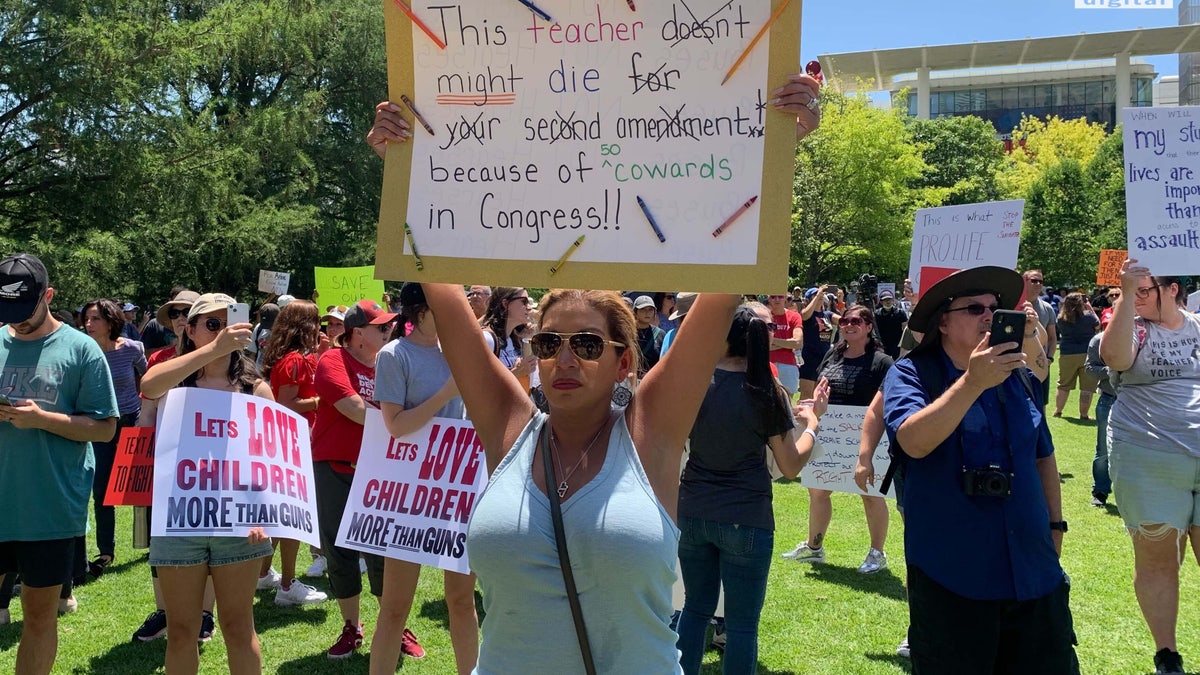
(736, 214)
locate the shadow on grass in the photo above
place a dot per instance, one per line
(715, 669)
(435, 610)
(10, 635)
(883, 583)
(269, 616)
(131, 658)
(903, 664)
(319, 663)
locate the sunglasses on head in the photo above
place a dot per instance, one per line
(975, 309)
(587, 346)
(850, 321)
(174, 313)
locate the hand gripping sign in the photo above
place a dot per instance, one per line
(225, 463)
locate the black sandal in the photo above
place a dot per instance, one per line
(96, 567)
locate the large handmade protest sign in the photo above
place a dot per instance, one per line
(225, 463)
(412, 496)
(836, 454)
(544, 135)
(951, 238)
(1162, 188)
(346, 285)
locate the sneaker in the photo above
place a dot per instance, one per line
(1099, 499)
(1167, 661)
(903, 650)
(805, 554)
(410, 647)
(5, 617)
(68, 605)
(349, 642)
(875, 562)
(271, 581)
(718, 637)
(298, 594)
(317, 568)
(154, 627)
(207, 626)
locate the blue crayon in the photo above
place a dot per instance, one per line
(661, 237)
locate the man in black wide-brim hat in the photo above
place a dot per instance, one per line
(980, 489)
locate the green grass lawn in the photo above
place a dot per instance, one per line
(826, 619)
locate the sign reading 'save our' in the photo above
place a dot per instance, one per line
(543, 131)
(1162, 188)
(225, 463)
(413, 496)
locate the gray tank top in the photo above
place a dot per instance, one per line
(623, 548)
(1158, 402)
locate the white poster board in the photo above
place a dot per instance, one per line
(275, 283)
(1193, 302)
(1162, 188)
(412, 497)
(542, 131)
(951, 238)
(886, 287)
(836, 455)
(225, 463)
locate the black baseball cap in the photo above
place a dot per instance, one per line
(23, 282)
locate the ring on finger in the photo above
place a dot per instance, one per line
(812, 104)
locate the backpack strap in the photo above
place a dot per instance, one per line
(932, 373)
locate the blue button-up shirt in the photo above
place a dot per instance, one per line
(982, 548)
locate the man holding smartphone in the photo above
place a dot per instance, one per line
(978, 484)
(62, 398)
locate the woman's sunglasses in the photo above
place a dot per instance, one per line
(586, 346)
(851, 321)
(175, 313)
(212, 324)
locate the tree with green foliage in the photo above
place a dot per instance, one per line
(145, 143)
(853, 193)
(1040, 144)
(1059, 235)
(964, 156)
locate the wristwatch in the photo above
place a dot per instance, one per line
(1060, 526)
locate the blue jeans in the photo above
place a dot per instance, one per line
(713, 554)
(1101, 482)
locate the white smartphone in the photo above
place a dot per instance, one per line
(238, 313)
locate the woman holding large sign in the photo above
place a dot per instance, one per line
(210, 357)
(412, 386)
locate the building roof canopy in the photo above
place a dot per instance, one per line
(882, 65)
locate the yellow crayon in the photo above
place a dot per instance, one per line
(563, 260)
(413, 245)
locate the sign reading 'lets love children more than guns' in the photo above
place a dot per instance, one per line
(592, 150)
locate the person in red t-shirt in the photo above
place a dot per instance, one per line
(787, 336)
(289, 362)
(345, 386)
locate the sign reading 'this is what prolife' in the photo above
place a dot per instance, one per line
(225, 463)
(1162, 188)
(542, 131)
(951, 238)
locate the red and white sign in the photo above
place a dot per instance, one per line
(951, 238)
(225, 463)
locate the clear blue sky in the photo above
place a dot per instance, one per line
(833, 26)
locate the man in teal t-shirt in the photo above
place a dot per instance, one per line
(57, 398)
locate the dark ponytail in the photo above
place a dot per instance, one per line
(750, 338)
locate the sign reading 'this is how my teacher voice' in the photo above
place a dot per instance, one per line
(543, 131)
(1162, 188)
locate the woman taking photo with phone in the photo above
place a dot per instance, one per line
(210, 357)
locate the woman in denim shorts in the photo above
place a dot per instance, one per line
(210, 357)
(1154, 441)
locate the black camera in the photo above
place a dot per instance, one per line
(987, 482)
(868, 285)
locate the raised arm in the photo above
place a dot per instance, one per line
(1118, 348)
(163, 376)
(662, 413)
(497, 406)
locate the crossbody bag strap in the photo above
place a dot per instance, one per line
(564, 560)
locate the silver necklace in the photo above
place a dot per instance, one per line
(563, 486)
